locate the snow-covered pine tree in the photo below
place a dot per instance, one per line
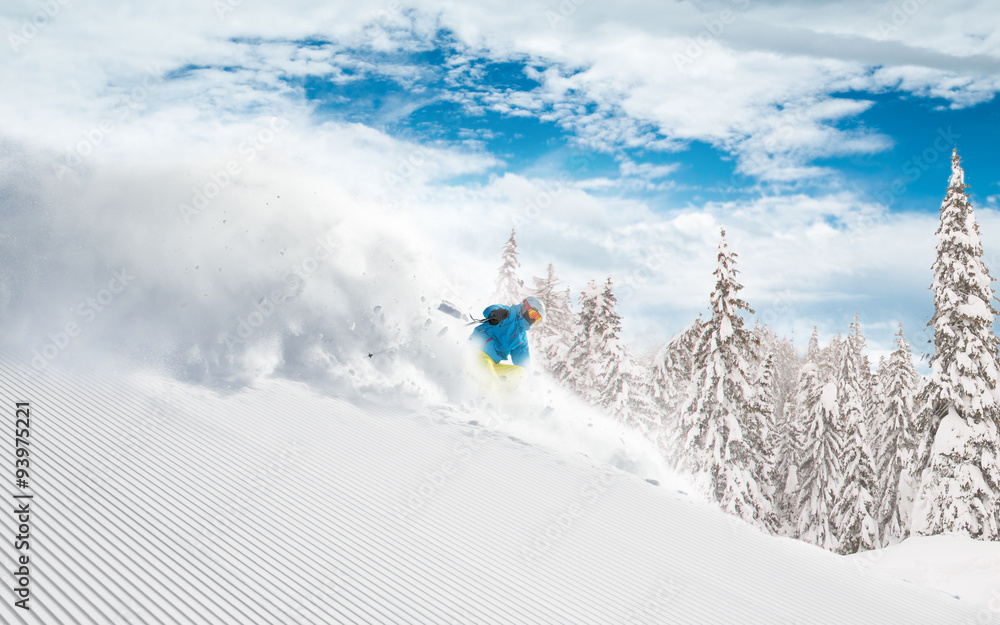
(601, 368)
(874, 404)
(784, 371)
(673, 364)
(876, 409)
(557, 353)
(723, 435)
(789, 451)
(897, 442)
(626, 391)
(820, 444)
(813, 350)
(763, 407)
(670, 377)
(923, 416)
(786, 375)
(508, 289)
(880, 371)
(927, 423)
(582, 357)
(554, 335)
(834, 352)
(960, 486)
(856, 510)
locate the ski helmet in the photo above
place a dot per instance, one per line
(532, 309)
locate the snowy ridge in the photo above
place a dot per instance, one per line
(157, 502)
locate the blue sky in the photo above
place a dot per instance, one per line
(617, 140)
(427, 107)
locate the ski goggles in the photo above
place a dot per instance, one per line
(532, 315)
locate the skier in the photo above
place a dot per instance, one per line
(502, 333)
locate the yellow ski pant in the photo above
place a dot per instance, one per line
(490, 376)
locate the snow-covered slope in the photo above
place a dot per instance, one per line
(157, 502)
(955, 564)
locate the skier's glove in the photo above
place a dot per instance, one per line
(497, 315)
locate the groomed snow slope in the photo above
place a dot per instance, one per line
(157, 502)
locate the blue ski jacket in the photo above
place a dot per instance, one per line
(507, 338)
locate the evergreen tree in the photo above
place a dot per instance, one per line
(834, 353)
(763, 407)
(785, 374)
(820, 444)
(670, 378)
(624, 388)
(789, 451)
(550, 341)
(601, 368)
(855, 513)
(812, 350)
(923, 416)
(723, 429)
(557, 352)
(874, 440)
(508, 289)
(896, 438)
(881, 370)
(583, 358)
(960, 486)
(927, 423)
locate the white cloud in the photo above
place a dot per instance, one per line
(611, 76)
(648, 171)
(616, 79)
(684, 77)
